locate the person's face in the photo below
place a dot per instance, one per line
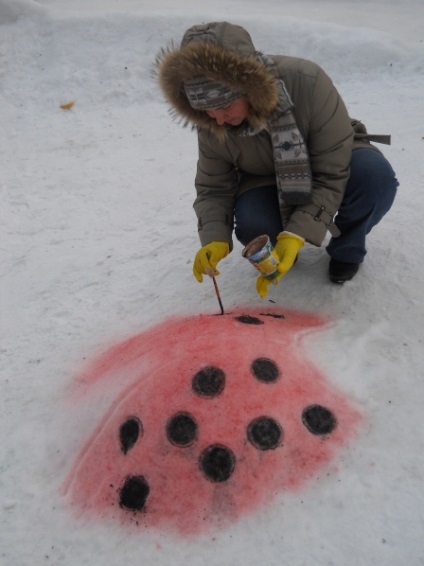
(233, 114)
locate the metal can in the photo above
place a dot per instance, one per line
(261, 255)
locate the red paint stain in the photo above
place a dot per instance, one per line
(155, 371)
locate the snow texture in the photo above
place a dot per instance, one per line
(97, 241)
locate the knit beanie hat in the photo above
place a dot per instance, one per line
(203, 93)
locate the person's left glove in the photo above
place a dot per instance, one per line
(207, 258)
(287, 248)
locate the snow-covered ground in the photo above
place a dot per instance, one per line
(97, 240)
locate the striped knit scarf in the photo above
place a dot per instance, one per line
(291, 158)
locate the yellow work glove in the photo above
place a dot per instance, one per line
(287, 248)
(207, 258)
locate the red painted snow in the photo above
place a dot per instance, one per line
(154, 370)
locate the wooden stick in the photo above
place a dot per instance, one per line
(218, 295)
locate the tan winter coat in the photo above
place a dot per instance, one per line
(230, 164)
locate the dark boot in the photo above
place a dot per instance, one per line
(340, 271)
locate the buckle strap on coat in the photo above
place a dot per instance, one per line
(377, 138)
(361, 133)
(321, 215)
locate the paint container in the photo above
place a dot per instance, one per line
(261, 255)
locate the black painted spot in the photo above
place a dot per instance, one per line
(265, 370)
(133, 494)
(264, 433)
(181, 429)
(318, 419)
(247, 319)
(129, 432)
(273, 315)
(217, 463)
(208, 382)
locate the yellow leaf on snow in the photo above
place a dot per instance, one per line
(67, 105)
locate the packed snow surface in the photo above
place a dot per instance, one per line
(97, 241)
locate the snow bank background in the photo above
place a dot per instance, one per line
(97, 240)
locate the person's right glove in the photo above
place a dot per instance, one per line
(287, 248)
(207, 258)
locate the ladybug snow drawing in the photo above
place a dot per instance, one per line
(215, 415)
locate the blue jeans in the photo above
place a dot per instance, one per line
(369, 195)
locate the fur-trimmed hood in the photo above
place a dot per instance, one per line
(220, 51)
